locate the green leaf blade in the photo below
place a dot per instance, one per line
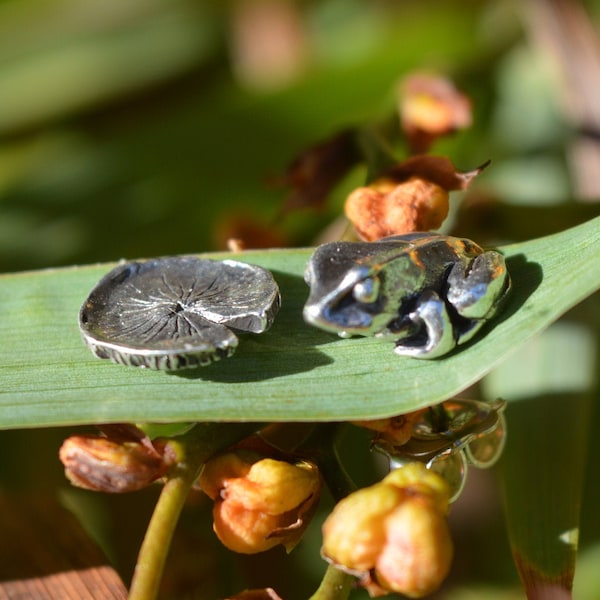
(291, 373)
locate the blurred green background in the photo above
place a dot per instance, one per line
(141, 128)
(153, 127)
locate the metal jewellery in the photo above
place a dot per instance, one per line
(424, 291)
(451, 436)
(176, 312)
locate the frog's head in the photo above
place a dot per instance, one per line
(348, 288)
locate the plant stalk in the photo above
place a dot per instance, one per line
(335, 585)
(155, 547)
(191, 451)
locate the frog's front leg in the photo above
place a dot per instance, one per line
(475, 290)
(427, 331)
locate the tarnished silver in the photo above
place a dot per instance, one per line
(176, 312)
(425, 291)
(451, 436)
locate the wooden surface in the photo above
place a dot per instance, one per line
(45, 554)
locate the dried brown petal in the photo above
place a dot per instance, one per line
(113, 465)
(315, 172)
(437, 169)
(243, 231)
(411, 196)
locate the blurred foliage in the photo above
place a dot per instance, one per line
(131, 130)
(144, 128)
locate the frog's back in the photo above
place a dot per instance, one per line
(424, 248)
(421, 257)
(428, 241)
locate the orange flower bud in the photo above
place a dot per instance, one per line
(223, 467)
(410, 196)
(431, 107)
(260, 502)
(116, 465)
(394, 430)
(388, 208)
(393, 535)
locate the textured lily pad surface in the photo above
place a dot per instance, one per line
(176, 312)
(292, 372)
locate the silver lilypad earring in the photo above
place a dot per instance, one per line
(176, 312)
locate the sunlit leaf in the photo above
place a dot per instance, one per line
(549, 380)
(292, 372)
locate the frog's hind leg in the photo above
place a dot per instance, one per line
(434, 332)
(475, 289)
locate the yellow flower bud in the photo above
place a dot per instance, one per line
(417, 554)
(393, 535)
(416, 479)
(260, 502)
(354, 532)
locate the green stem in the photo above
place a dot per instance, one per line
(377, 153)
(191, 451)
(335, 585)
(322, 448)
(155, 547)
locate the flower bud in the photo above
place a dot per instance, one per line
(418, 550)
(393, 430)
(260, 502)
(112, 464)
(417, 480)
(431, 107)
(410, 196)
(389, 208)
(393, 535)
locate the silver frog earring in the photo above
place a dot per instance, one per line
(176, 312)
(425, 291)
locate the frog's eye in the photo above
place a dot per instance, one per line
(367, 290)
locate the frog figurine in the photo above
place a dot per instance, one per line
(426, 291)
